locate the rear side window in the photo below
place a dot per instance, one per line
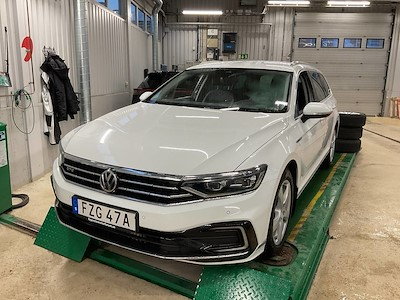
(319, 85)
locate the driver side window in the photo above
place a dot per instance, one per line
(303, 94)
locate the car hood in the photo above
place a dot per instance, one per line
(173, 139)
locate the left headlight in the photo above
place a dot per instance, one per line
(225, 184)
(61, 155)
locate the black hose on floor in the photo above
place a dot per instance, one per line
(24, 200)
(384, 136)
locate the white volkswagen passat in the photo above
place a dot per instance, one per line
(205, 169)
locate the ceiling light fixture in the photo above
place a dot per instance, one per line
(288, 3)
(202, 12)
(348, 3)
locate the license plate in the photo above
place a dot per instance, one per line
(104, 215)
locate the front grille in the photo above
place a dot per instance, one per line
(132, 184)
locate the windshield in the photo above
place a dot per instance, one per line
(227, 89)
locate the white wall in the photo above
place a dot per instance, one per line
(116, 66)
(108, 57)
(140, 54)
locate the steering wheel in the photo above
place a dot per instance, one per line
(219, 97)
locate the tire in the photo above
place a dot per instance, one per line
(328, 161)
(348, 146)
(280, 215)
(352, 119)
(346, 133)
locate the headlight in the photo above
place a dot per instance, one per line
(224, 184)
(61, 155)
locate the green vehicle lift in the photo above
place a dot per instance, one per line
(309, 234)
(5, 184)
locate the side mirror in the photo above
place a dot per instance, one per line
(316, 110)
(145, 95)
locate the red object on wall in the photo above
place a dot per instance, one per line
(27, 43)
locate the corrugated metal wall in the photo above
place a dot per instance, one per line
(185, 44)
(280, 46)
(107, 51)
(180, 45)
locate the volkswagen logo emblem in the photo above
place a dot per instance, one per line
(108, 181)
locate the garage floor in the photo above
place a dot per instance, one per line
(362, 260)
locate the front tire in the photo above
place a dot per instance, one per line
(281, 212)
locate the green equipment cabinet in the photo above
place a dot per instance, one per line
(5, 183)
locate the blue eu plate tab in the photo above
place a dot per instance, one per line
(75, 204)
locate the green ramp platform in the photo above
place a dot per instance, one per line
(308, 229)
(309, 234)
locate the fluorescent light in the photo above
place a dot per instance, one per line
(348, 3)
(288, 3)
(202, 12)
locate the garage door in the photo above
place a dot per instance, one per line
(352, 50)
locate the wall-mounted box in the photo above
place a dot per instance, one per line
(212, 43)
(211, 32)
(229, 42)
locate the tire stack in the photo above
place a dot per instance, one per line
(350, 132)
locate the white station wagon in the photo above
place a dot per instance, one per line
(205, 169)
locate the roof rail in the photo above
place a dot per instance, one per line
(297, 62)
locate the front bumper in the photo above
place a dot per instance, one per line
(213, 242)
(220, 231)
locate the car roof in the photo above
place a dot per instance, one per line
(255, 64)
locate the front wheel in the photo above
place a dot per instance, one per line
(280, 215)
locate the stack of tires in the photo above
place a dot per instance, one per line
(350, 132)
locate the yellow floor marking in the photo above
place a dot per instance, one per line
(314, 200)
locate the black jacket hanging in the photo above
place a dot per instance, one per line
(65, 101)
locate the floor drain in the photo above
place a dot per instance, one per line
(285, 257)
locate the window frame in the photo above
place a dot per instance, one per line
(135, 21)
(147, 18)
(314, 42)
(318, 83)
(140, 10)
(329, 47)
(307, 92)
(375, 39)
(358, 39)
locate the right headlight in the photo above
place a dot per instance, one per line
(225, 184)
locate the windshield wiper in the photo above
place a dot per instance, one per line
(230, 108)
(259, 110)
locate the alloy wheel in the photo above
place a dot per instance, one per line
(282, 212)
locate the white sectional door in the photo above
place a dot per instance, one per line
(352, 50)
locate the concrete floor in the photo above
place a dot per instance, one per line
(362, 260)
